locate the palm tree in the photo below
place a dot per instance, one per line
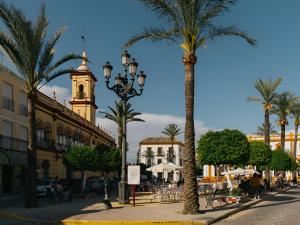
(191, 23)
(115, 115)
(24, 43)
(282, 106)
(171, 130)
(295, 112)
(149, 156)
(267, 91)
(261, 130)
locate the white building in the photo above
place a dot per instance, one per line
(155, 150)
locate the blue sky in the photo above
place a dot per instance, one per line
(225, 72)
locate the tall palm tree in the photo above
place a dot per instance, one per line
(115, 115)
(24, 43)
(295, 112)
(261, 130)
(191, 23)
(267, 92)
(171, 130)
(282, 106)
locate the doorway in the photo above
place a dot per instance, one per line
(7, 178)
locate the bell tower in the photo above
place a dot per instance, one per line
(83, 91)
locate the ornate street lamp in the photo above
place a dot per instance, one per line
(124, 88)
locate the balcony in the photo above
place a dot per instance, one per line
(45, 144)
(160, 155)
(23, 110)
(9, 143)
(7, 103)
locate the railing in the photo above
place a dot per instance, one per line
(10, 143)
(7, 103)
(160, 154)
(46, 144)
(23, 110)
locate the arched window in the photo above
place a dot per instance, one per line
(81, 91)
(60, 135)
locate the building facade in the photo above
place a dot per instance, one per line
(57, 128)
(156, 150)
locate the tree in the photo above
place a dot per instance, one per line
(83, 158)
(116, 114)
(109, 158)
(24, 43)
(171, 130)
(267, 94)
(282, 106)
(190, 23)
(227, 147)
(280, 161)
(295, 112)
(149, 156)
(261, 130)
(260, 153)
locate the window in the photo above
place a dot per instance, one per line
(40, 134)
(159, 151)
(158, 161)
(81, 92)
(7, 98)
(7, 133)
(23, 104)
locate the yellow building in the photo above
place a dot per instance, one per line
(57, 127)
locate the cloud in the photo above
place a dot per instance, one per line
(136, 131)
(62, 94)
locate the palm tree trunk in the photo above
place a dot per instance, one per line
(119, 137)
(282, 138)
(295, 141)
(31, 200)
(191, 201)
(267, 127)
(267, 141)
(295, 149)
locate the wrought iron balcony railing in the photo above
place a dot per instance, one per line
(10, 143)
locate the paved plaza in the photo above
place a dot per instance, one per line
(93, 210)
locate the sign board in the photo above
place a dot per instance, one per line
(134, 175)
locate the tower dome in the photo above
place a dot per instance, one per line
(83, 66)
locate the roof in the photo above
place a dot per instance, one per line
(159, 140)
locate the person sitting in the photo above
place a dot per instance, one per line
(245, 186)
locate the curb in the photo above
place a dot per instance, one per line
(244, 207)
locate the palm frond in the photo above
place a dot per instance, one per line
(254, 99)
(163, 9)
(61, 61)
(215, 32)
(58, 73)
(153, 34)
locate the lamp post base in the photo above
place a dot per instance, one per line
(123, 193)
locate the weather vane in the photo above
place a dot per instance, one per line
(84, 40)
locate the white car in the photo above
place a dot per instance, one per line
(43, 187)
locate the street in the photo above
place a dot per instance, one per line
(281, 209)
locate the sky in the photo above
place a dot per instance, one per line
(225, 72)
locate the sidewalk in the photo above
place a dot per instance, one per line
(92, 211)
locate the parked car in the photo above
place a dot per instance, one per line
(43, 186)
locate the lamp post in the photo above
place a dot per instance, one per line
(124, 88)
